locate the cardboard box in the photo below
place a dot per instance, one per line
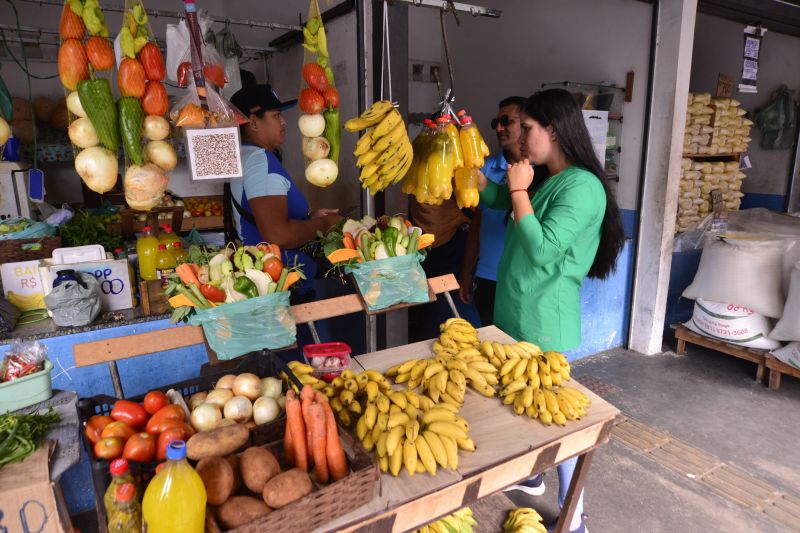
(29, 501)
(22, 278)
(113, 276)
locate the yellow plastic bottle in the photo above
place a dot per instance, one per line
(125, 514)
(419, 146)
(179, 252)
(440, 163)
(452, 132)
(167, 235)
(120, 474)
(175, 499)
(423, 189)
(467, 194)
(471, 143)
(165, 264)
(146, 250)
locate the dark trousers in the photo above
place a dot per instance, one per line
(484, 299)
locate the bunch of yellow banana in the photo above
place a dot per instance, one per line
(456, 334)
(303, 373)
(350, 393)
(421, 444)
(384, 152)
(26, 302)
(526, 362)
(459, 522)
(524, 520)
(549, 405)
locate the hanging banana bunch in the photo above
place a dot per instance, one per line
(384, 152)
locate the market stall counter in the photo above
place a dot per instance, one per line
(509, 448)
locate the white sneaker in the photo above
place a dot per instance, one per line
(532, 487)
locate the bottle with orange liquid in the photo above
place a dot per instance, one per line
(146, 250)
(175, 499)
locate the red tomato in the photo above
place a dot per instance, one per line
(165, 438)
(315, 76)
(170, 411)
(311, 102)
(153, 63)
(120, 430)
(169, 423)
(184, 73)
(216, 75)
(129, 412)
(154, 401)
(273, 267)
(131, 78)
(109, 448)
(94, 427)
(140, 447)
(154, 101)
(331, 96)
(212, 293)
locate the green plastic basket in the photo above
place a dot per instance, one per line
(26, 391)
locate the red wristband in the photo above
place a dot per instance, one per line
(518, 190)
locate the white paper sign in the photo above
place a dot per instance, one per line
(597, 124)
(112, 276)
(21, 278)
(214, 153)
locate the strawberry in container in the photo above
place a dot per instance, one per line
(328, 359)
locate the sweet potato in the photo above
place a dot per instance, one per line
(258, 466)
(233, 460)
(286, 488)
(241, 510)
(219, 441)
(217, 476)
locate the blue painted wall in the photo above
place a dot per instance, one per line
(775, 202)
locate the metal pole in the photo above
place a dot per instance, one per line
(458, 6)
(112, 369)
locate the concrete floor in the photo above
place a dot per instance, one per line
(706, 399)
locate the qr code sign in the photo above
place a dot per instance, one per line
(214, 153)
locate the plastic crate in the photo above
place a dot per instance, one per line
(263, 364)
(27, 390)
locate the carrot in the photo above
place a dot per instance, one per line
(337, 463)
(295, 424)
(348, 241)
(316, 422)
(288, 445)
(306, 398)
(291, 279)
(187, 272)
(276, 250)
(407, 223)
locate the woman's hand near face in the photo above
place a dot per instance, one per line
(324, 212)
(482, 181)
(520, 175)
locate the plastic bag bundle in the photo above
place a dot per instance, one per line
(85, 65)
(235, 329)
(75, 302)
(386, 282)
(319, 101)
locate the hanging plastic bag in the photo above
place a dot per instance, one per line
(318, 99)
(237, 328)
(226, 44)
(386, 282)
(75, 302)
(778, 121)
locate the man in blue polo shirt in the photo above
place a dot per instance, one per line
(488, 227)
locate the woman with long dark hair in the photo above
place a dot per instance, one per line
(561, 230)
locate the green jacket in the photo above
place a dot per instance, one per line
(546, 258)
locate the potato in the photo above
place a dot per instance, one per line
(217, 476)
(286, 488)
(258, 466)
(237, 478)
(241, 510)
(218, 441)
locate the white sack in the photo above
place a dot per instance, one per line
(733, 324)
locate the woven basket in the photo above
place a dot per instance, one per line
(11, 250)
(325, 504)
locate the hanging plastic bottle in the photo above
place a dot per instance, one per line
(467, 195)
(471, 143)
(419, 146)
(146, 250)
(458, 154)
(179, 252)
(175, 499)
(423, 189)
(125, 513)
(440, 164)
(120, 474)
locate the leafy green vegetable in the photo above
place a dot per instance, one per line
(85, 228)
(20, 435)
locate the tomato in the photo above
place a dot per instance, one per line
(129, 412)
(100, 53)
(331, 96)
(152, 61)
(71, 25)
(131, 78)
(154, 101)
(140, 447)
(154, 401)
(274, 268)
(108, 448)
(212, 293)
(120, 430)
(165, 438)
(184, 73)
(311, 102)
(94, 427)
(160, 467)
(216, 75)
(170, 411)
(73, 65)
(169, 423)
(315, 76)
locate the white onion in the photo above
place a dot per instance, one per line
(162, 154)
(98, 168)
(197, 400)
(265, 410)
(205, 417)
(316, 147)
(282, 401)
(271, 387)
(311, 125)
(74, 104)
(219, 397)
(238, 409)
(247, 385)
(155, 128)
(225, 382)
(82, 133)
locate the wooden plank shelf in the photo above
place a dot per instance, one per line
(777, 369)
(201, 223)
(712, 156)
(759, 357)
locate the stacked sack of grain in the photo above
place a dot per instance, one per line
(698, 180)
(699, 129)
(692, 207)
(731, 129)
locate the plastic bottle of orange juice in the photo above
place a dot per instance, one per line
(165, 264)
(471, 143)
(458, 154)
(467, 194)
(146, 250)
(420, 146)
(440, 163)
(167, 235)
(179, 252)
(175, 499)
(423, 187)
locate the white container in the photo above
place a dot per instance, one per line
(112, 275)
(78, 254)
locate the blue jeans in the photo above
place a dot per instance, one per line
(565, 472)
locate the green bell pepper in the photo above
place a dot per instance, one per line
(243, 285)
(333, 133)
(389, 238)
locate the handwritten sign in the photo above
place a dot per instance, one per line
(112, 276)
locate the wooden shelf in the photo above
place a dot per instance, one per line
(202, 223)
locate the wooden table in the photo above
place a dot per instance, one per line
(509, 449)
